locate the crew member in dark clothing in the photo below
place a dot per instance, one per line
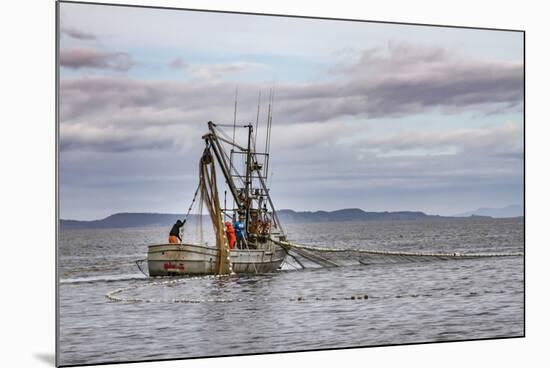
(174, 237)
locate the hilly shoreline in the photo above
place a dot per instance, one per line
(132, 220)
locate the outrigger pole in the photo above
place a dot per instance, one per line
(248, 181)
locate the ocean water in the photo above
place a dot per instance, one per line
(290, 310)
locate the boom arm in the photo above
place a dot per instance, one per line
(212, 139)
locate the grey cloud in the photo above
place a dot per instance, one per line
(113, 100)
(217, 71)
(214, 71)
(177, 63)
(78, 34)
(403, 79)
(487, 159)
(338, 177)
(130, 104)
(399, 80)
(340, 171)
(111, 114)
(91, 58)
(303, 136)
(503, 141)
(119, 139)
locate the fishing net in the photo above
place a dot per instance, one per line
(307, 256)
(209, 196)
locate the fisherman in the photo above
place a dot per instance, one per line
(174, 237)
(230, 232)
(240, 231)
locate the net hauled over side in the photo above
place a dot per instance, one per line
(334, 257)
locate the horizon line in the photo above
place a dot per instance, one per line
(310, 211)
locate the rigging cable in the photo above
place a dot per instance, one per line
(189, 209)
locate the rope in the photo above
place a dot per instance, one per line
(192, 202)
(294, 258)
(138, 264)
(190, 208)
(248, 249)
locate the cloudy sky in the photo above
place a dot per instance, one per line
(377, 116)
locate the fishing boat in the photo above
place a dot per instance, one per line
(245, 172)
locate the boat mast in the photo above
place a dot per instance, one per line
(250, 193)
(248, 179)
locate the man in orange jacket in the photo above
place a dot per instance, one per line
(230, 232)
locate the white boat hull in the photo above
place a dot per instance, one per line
(193, 259)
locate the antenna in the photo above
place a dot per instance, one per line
(257, 118)
(269, 121)
(234, 128)
(235, 112)
(268, 114)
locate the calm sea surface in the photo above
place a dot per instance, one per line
(291, 309)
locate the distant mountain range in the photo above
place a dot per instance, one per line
(350, 214)
(126, 220)
(129, 220)
(508, 211)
